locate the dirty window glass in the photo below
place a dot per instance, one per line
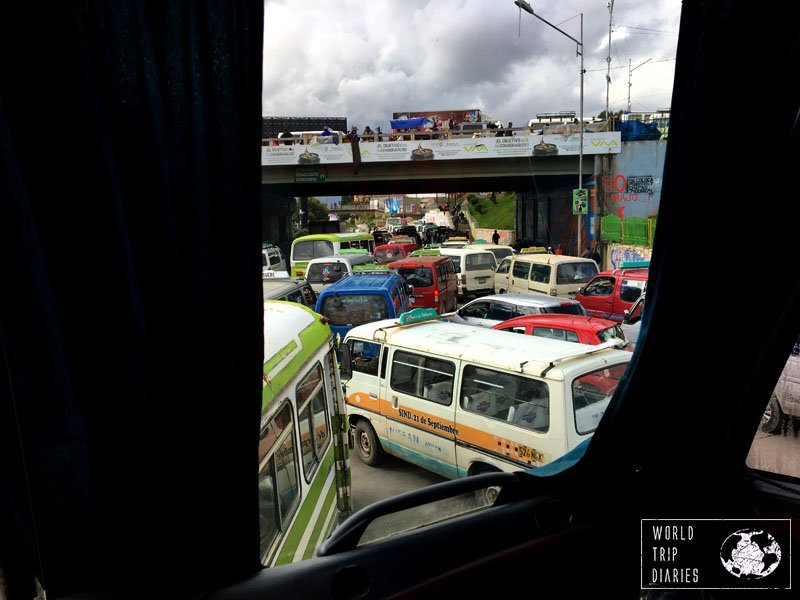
(591, 394)
(776, 446)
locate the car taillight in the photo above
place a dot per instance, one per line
(463, 279)
(436, 295)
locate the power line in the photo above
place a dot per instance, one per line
(626, 66)
(649, 30)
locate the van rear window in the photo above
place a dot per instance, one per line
(355, 309)
(417, 276)
(480, 262)
(579, 272)
(311, 249)
(326, 272)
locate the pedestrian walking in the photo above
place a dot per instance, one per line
(495, 237)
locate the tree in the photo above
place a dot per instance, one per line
(317, 211)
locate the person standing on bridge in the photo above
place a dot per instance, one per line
(495, 237)
(355, 149)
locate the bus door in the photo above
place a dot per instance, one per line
(420, 422)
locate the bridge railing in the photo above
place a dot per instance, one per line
(401, 136)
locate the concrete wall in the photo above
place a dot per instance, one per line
(633, 187)
(507, 236)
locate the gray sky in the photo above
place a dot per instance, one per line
(365, 59)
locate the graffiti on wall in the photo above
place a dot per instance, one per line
(619, 253)
(633, 189)
(639, 189)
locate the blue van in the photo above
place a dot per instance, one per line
(363, 298)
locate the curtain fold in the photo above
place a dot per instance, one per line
(130, 241)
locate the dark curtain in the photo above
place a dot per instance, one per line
(130, 301)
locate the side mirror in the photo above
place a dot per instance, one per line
(409, 289)
(580, 291)
(346, 363)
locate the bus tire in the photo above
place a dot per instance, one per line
(772, 420)
(485, 496)
(367, 444)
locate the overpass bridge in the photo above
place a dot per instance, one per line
(542, 169)
(429, 165)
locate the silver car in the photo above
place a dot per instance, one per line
(488, 311)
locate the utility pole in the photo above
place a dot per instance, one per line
(629, 78)
(608, 58)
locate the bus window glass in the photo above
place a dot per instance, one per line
(517, 400)
(312, 419)
(591, 394)
(277, 478)
(423, 376)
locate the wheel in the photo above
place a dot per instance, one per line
(772, 420)
(485, 496)
(369, 448)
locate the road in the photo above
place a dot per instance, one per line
(391, 478)
(773, 453)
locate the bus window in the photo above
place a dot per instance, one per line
(313, 419)
(278, 483)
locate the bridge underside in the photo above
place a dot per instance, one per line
(479, 175)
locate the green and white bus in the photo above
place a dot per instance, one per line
(303, 473)
(318, 245)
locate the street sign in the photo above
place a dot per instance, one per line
(580, 201)
(317, 175)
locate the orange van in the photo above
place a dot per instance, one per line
(433, 278)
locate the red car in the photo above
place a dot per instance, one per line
(570, 328)
(609, 293)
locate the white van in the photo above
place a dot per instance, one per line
(330, 269)
(474, 270)
(552, 274)
(271, 259)
(460, 400)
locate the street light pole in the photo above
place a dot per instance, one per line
(528, 9)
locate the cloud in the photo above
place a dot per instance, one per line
(367, 59)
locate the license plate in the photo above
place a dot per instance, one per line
(482, 279)
(529, 453)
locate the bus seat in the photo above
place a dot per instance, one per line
(482, 403)
(531, 415)
(439, 392)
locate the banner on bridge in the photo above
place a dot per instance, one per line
(536, 146)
